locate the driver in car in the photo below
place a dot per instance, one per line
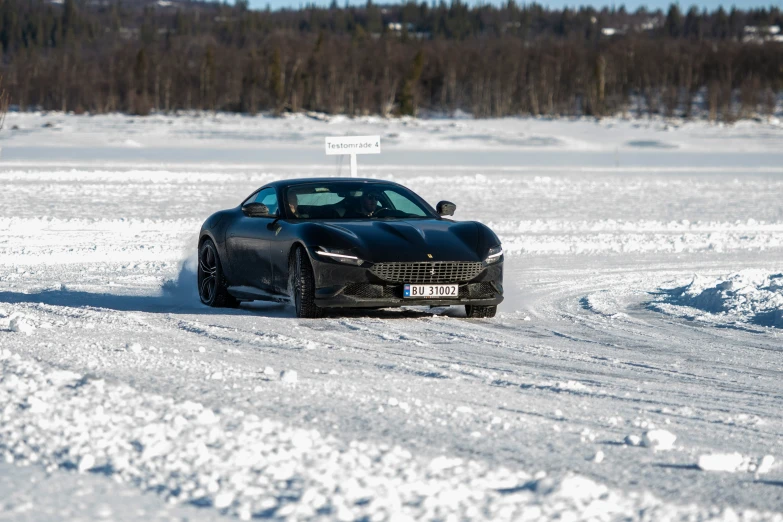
(368, 203)
(293, 203)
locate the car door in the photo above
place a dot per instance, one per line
(286, 232)
(248, 240)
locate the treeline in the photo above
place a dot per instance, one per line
(136, 58)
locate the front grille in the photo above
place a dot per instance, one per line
(427, 272)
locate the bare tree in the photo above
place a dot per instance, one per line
(3, 102)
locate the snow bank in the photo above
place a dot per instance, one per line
(53, 241)
(246, 466)
(663, 135)
(613, 236)
(748, 296)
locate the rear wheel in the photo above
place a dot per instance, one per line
(474, 311)
(212, 287)
(304, 286)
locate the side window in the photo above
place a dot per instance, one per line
(403, 204)
(268, 197)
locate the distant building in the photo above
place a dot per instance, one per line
(648, 25)
(397, 28)
(761, 34)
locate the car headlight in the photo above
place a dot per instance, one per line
(342, 256)
(494, 255)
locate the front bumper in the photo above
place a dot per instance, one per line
(350, 302)
(345, 286)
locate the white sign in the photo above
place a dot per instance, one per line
(353, 145)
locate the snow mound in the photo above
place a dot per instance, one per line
(288, 376)
(659, 440)
(17, 322)
(20, 324)
(726, 462)
(735, 462)
(748, 296)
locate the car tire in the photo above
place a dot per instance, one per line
(477, 312)
(303, 287)
(212, 285)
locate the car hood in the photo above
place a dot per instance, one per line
(406, 240)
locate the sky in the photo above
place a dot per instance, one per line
(630, 5)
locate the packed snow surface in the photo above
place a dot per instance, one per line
(633, 372)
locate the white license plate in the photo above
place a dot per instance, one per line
(431, 291)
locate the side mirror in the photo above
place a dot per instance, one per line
(256, 210)
(446, 208)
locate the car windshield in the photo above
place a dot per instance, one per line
(346, 200)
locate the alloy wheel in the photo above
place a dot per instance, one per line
(207, 274)
(298, 284)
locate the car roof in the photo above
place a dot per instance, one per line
(285, 183)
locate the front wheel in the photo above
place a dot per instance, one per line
(476, 312)
(304, 287)
(211, 282)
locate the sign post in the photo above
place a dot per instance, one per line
(353, 145)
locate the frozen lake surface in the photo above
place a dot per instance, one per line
(634, 371)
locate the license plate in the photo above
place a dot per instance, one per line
(431, 291)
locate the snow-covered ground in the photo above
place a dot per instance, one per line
(634, 371)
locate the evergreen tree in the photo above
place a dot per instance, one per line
(673, 25)
(408, 106)
(276, 82)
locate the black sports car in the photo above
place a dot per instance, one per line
(347, 242)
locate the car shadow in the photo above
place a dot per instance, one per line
(177, 302)
(395, 313)
(162, 303)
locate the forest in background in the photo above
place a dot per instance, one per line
(141, 56)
